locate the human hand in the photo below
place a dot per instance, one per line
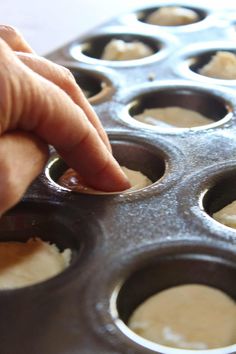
(41, 104)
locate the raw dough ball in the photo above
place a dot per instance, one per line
(71, 180)
(227, 215)
(172, 16)
(188, 317)
(27, 263)
(117, 49)
(172, 116)
(221, 66)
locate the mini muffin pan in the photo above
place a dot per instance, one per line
(127, 247)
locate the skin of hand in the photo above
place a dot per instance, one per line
(41, 104)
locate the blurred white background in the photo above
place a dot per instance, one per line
(48, 24)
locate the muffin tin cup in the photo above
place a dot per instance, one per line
(136, 152)
(143, 272)
(32, 310)
(216, 104)
(90, 49)
(56, 224)
(192, 59)
(139, 18)
(209, 191)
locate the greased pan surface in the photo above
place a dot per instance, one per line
(126, 247)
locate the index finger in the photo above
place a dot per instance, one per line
(63, 78)
(14, 39)
(77, 141)
(37, 105)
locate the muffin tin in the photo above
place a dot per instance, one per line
(126, 247)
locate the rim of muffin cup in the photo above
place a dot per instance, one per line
(90, 48)
(131, 281)
(201, 99)
(190, 60)
(219, 193)
(202, 194)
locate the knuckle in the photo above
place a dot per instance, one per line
(69, 81)
(68, 76)
(10, 31)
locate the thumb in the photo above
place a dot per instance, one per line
(22, 157)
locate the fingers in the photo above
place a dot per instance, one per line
(64, 125)
(31, 103)
(22, 157)
(63, 78)
(14, 39)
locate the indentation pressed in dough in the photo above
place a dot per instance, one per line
(71, 180)
(188, 317)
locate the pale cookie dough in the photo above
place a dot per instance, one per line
(71, 180)
(188, 317)
(117, 49)
(227, 215)
(172, 116)
(27, 263)
(137, 179)
(221, 66)
(172, 16)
